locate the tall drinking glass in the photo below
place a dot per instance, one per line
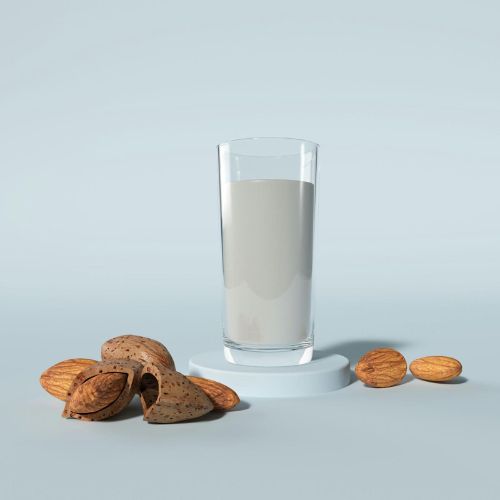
(267, 206)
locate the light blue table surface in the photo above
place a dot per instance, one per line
(412, 439)
(109, 117)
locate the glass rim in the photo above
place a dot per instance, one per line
(261, 138)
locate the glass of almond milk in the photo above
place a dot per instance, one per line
(268, 197)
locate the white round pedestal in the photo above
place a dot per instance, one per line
(324, 374)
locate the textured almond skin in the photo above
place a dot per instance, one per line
(383, 367)
(57, 379)
(137, 348)
(436, 368)
(97, 392)
(223, 397)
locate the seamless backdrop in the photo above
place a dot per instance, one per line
(109, 117)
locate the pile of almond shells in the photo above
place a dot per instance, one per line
(131, 364)
(386, 367)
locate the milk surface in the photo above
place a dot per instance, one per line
(267, 236)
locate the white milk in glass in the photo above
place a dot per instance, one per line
(267, 229)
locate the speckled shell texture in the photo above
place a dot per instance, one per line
(130, 367)
(168, 396)
(142, 349)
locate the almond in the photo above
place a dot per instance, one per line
(57, 379)
(141, 349)
(97, 392)
(103, 389)
(436, 368)
(222, 397)
(168, 396)
(383, 367)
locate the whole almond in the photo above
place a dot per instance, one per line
(57, 379)
(383, 367)
(222, 397)
(97, 392)
(436, 368)
(141, 349)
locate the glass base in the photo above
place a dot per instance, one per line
(252, 356)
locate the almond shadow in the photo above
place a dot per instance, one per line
(133, 410)
(406, 380)
(456, 381)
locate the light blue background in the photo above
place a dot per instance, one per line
(109, 117)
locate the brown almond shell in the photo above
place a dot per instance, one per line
(142, 349)
(132, 370)
(168, 396)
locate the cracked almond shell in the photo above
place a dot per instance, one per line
(168, 396)
(102, 390)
